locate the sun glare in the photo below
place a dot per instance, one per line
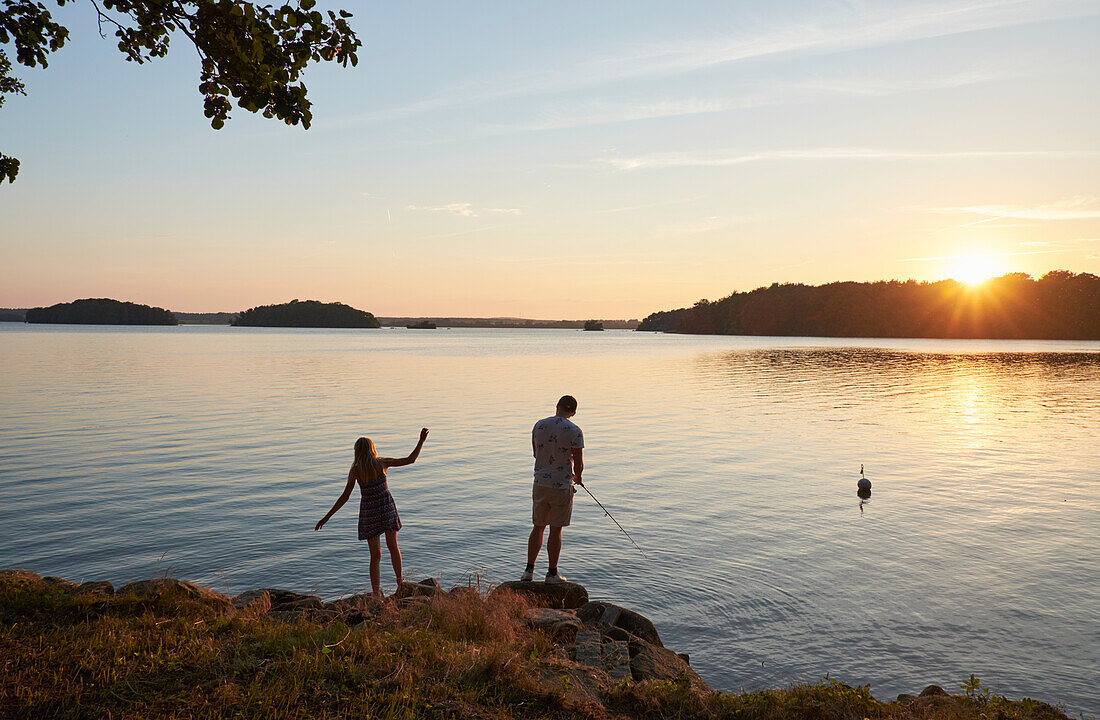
(973, 269)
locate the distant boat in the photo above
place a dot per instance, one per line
(422, 325)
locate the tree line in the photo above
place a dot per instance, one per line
(101, 311)
(1060, 305)
(306, 313)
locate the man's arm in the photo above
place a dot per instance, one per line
(578, 465)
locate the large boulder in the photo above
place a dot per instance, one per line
(20, 577)
(281, 600)
(653, 662)
(95, 587)
(561, 596)
(611, 615)
(57, 582)
(161, 587)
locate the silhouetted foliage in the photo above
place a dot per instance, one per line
(422, 325)
(307, 313)
(593, 325)
(101, 311)
(254, 53)
(1060, 305)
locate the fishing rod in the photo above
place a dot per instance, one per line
(621, 528)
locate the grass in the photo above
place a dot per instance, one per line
(66, 655)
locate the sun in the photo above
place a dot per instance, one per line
(973, 269)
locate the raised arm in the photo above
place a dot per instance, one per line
(398, 462)
(339, 501)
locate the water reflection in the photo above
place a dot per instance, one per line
(864, 495)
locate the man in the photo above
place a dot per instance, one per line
(556, 444)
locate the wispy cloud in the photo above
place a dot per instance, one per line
(844, 27)
(1079, 207)
(1063, 244)
(462, 209)
(719, 159)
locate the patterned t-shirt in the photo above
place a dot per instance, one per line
(554, 439)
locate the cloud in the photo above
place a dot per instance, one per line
(845, 27)
(713, 159)
(463, 209)
(1079, 207)
(1093, 256)
(506, 211)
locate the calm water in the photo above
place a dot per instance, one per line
(210, 452)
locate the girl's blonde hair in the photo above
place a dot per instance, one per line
(366, 465)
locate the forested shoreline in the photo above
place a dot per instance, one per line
(1060, 305)
(101, 311)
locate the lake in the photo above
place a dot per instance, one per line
(209, 453)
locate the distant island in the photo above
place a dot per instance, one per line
(422, 325)
(306, 313)
(1061, 305)
(101, 311)
(593, 325)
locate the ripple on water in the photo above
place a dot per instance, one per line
(211, 452)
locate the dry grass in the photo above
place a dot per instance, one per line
(85, 656)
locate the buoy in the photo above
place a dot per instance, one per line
(863, 483)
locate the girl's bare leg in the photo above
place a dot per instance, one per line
(376, 565)
(395, 556)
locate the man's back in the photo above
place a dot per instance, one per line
(554, 439)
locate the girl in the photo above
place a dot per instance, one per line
(377, 511)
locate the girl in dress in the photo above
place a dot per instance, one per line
(377, 511)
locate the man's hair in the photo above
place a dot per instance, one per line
(568, 403)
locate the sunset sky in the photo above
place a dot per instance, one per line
(569, 160)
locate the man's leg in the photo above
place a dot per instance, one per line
(553, 547)
(534, 542)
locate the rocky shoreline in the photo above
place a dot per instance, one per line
(579, 657)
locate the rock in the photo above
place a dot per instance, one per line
(906, 698)
(425, 588)
(95, 587)
(467, 591)
(20, 577)
(565, 595)
(933, 690)
(588, 650)
(565, 631)
(283, 600)
(634, 623)
(352, 603)
(616, 633)
(59, 582)
(541, 618)
(616, 659)
(160, 587)
(653, 662)
(685, 657)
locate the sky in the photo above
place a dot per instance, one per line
(569, 160)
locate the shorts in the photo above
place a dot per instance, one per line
(551, 506)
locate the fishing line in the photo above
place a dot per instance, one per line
(621, 528)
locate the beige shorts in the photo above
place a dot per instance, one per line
(551, 506)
